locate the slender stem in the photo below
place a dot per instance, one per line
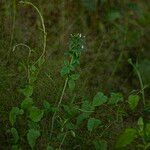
(62, 141)
(59, 103)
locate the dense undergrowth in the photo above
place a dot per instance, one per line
(74, 74)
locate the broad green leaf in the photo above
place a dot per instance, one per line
(27, 103)
(115, 98)
(36, 114)
(99, 99)
(75, 76)
(100, 144)
(92, 123)
(15, 111)
(126, 138)
(71, 84)
(133, 101)
(32, 136)
(27, 91)
(15, 135)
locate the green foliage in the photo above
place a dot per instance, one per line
(93, 123)
(100, 145)
(32, 136)
(27, 91)
(99, 99)
(126, 137)
(115, 98)
(14, 113)
(27, 103)
(114, 29)
(133, 101)
(35, 114)
(15, 135)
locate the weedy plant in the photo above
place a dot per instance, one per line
(27, 109)
(68, 117)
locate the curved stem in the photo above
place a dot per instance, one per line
(43, 27)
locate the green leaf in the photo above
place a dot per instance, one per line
(133, 101)
(92, 123)
(15, 135)
(71, 84)
(27, 91)
(65, 70)
(126, 138)
(140, 123)
(15, 111)
(75, 76)
(115, 98)
(27, 103)
(36, 114)
(32, 136)
(99, 99)
(100, 145)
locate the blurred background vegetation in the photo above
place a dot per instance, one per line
(115, 31)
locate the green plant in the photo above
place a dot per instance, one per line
(28, 109)
(141, 133)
